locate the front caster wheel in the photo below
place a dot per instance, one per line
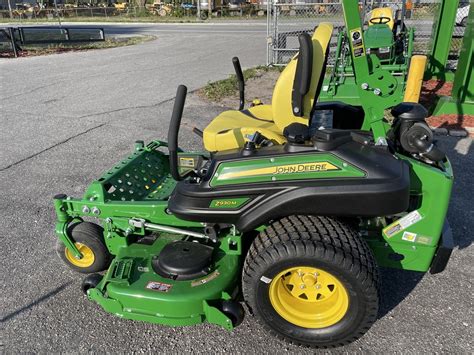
(234, 311)
(312, 281)
(91, 281)
(89, 239)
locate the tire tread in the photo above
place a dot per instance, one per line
(320, 236)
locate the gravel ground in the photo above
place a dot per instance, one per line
(66, 118)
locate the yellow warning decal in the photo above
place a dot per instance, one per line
(282, 169)
(409, 237)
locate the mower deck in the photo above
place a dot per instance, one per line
(132, 289)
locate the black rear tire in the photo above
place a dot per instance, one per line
(324, 243)
(91, 236)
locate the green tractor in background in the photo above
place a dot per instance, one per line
(387, 43)
(283, 211)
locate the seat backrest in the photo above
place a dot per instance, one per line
(282, 100)
(304, 69)
(383, 12)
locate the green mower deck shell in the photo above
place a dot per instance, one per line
(123, 290)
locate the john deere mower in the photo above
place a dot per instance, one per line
(286, 213)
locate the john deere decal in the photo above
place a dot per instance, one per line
(282, 169)
(296, 167)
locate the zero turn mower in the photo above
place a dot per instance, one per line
(292, 209)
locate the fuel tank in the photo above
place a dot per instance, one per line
(346, 177)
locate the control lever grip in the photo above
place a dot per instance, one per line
(240, 78)
(173, 131)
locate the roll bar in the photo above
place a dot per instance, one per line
(173, 131)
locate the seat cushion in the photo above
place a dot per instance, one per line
(232, 128)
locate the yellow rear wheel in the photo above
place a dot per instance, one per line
(312, 280)
(309, 297)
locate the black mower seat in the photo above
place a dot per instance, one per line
(293, 98)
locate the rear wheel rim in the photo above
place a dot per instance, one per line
(87, 259)
(309, 297)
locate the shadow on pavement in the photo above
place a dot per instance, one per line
(396, 286)
(461, 208)
(35, 302)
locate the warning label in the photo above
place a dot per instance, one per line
(187, 162)
(158, 286)
(357, 42)
(409, 237)
(358, 52)
(402, 223)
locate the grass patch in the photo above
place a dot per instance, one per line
(37, 50)
(218, 90)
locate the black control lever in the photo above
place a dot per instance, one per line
(174, 130)
(240, 79)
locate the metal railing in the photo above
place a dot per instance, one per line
(12, 39)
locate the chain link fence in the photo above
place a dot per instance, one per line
(458, 34)
(287, 20)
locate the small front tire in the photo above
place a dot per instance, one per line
(234, 311)
(91, 281)
(89, 239)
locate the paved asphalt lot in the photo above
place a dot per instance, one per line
(66, 118)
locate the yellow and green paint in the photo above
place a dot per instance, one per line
(297, 167)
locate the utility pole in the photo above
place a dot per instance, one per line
(199, 9)
(10, 9)
(57, 12)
